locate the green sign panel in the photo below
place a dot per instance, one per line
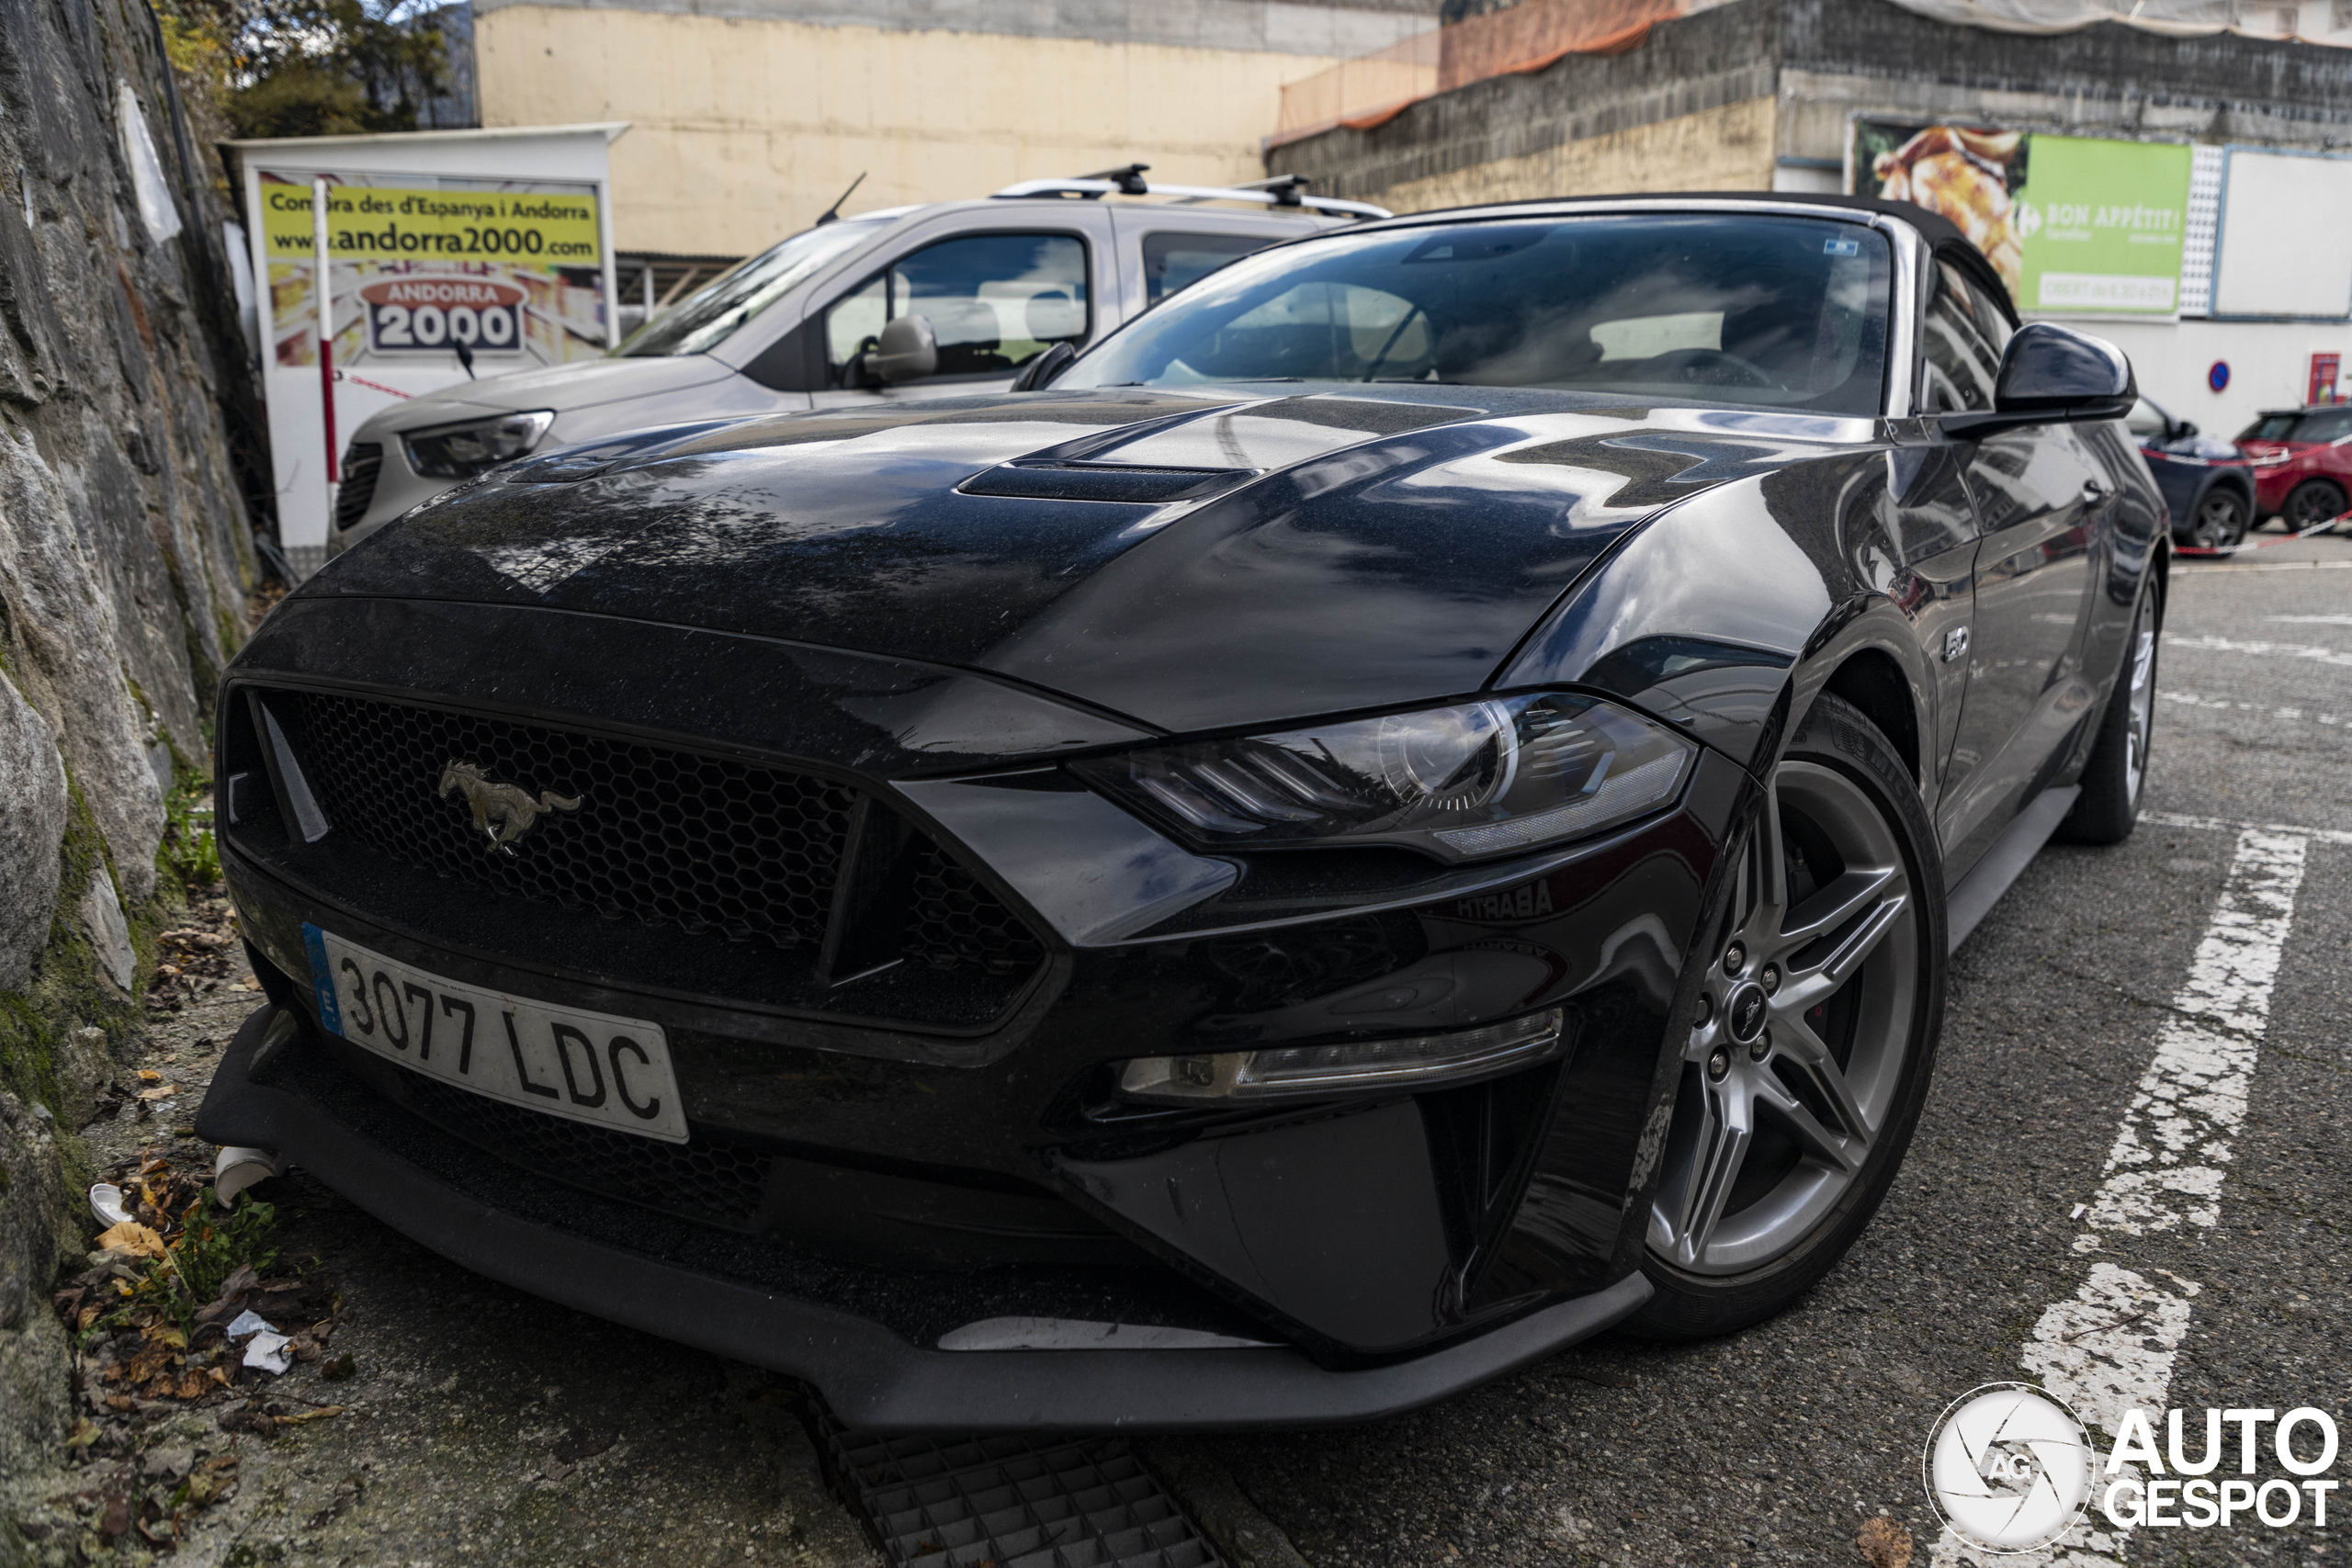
(2102, 223)
(2074, 225)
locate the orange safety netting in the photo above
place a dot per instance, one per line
(1365, 92)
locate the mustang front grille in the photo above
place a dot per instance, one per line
(627, 830)
(665, 837)
(952, 922)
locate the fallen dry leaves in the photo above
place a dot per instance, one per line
(1885, 1543)
(197, 960)
(154, 1307)
(140, 1241)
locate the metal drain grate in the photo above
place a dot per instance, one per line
(1017, 1503)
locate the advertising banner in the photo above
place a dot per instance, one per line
(452, 257)
(2074, 225)
(513, 270)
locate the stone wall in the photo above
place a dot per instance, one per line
(126, 557)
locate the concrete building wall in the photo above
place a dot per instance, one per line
(749, 118)
(1591, 124)
(1728, 148)
(1690, 108)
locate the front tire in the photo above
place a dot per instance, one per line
(2108, 807)
(1805, 1070)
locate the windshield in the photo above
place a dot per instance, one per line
(708, 316)
(1784, 313)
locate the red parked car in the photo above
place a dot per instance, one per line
(2303, 463)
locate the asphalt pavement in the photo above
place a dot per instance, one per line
(481, 1424)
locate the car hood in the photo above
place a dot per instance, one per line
(1184, 560)
(585, 384)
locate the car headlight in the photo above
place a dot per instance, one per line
(1474, 779)
(461, 451)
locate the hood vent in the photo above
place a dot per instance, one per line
(1103, 482)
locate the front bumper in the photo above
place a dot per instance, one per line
(874, 1379)
(914, 1150)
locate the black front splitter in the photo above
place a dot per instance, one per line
(874, 1379)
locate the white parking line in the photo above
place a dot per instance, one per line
(2191, 699)
(2191, 568)
(2311, 620)
(2270, 649)
(2223, 825)
(2110, 1346)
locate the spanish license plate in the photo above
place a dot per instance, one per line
(590, 1066)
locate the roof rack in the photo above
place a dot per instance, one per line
(1283, 190)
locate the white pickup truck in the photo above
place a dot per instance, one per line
(933, 300)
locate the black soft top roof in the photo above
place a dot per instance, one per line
(1942, 236)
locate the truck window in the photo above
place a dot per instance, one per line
(1172, 260)
(709, 316)
(994, 301)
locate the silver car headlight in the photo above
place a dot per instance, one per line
(1492, 777)
(461, 451)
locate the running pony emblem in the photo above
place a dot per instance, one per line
(503, 811)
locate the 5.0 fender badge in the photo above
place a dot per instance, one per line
(503, 811)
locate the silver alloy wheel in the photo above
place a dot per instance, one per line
(2220, 520)
(2140, 723)
(1804, 1034)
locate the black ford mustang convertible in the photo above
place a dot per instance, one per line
(1405, 808)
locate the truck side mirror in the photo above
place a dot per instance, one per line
(907, 351)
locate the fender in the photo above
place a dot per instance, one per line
(1735, 658)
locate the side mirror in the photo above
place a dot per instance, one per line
(2053, 375)
(1040, 372)
(2184, 431)
(907, 351)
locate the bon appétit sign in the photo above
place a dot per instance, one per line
(2082, 225)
